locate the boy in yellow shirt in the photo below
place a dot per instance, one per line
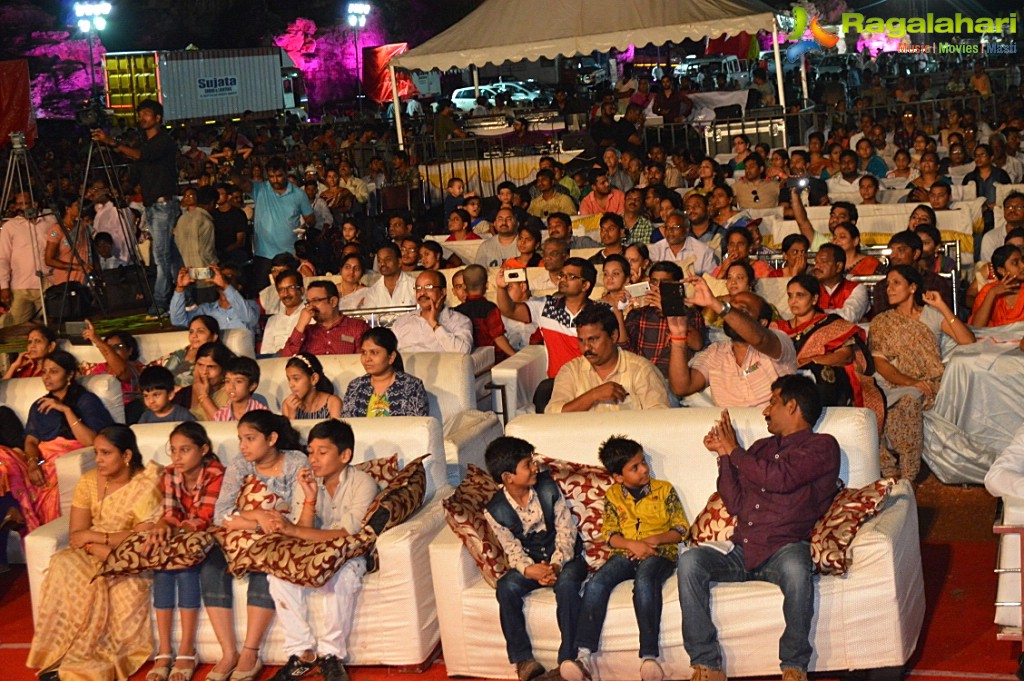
(643, 523)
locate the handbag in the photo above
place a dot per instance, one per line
(70, 302)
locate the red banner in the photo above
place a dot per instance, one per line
(738, 45)
(15, 101)
(377, 78)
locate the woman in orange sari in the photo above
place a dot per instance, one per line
(831, 348)
(847, 237)
(1000, 302)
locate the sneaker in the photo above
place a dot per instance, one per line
(702, 673)
(295, 668)
(331, 668)
(650, 670)
(528, 669)
(794, 675)
(581, 669)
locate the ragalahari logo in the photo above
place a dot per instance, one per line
(822, 38)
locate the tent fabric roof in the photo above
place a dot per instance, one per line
(499, 30)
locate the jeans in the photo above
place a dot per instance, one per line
(160, 220)
(216, 584)
(789, 568)
(185, 582)
(648, 577)
(512, 589)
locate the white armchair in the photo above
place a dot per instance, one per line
(153, 346)
(395, 616)
(516, 380)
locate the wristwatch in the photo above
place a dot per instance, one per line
(726, 308)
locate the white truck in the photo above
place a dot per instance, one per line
(202, 85)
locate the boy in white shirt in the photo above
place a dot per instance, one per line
(330, 503)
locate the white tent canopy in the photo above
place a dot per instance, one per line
(501, 30)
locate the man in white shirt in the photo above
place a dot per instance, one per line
(352, 184)
(394, 288)
(678, 245)
(847, 182)
(321, 213)
(280, 326)
(1001, 158)
(848, 299)
(433, 327)
(108, 220)
(19, 285)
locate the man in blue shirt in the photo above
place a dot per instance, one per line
(280, 208)
(231, 310)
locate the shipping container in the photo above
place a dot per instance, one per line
(201, 85)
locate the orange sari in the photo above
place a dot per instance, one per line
(1002, 314)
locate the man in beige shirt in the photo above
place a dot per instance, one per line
(549, 201)
(752, 190)
(605, 378)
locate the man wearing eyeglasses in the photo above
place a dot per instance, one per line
(1013, 212)
(433, 327)
(678, 245)
(280, 326)
(321, 328)
(752, 190)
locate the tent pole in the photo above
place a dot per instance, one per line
(398, 107)
(803, 79)
(476, 80)
(779, 79)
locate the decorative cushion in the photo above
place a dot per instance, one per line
(835, 530)
(584, 487)
(253, 496)
(130, 557)
(304, 562)
(713, 523)
(464, 511)
(383, 470)
(400, 499)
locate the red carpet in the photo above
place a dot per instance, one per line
(958, 640)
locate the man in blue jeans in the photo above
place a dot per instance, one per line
(779, 486)
(155, 170)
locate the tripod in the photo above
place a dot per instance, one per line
(18, 181)
(106, 164)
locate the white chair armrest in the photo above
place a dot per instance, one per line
(519, 376)
(70, 468)
(454, 573)
(40, 545)
(467, 440)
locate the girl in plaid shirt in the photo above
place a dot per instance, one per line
(190, 487)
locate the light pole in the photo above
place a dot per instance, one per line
(357, 13)
(91, 19)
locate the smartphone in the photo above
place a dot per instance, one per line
(803, 182)
(673, 299)
(200, 273)
(515, 275)
(638, 290)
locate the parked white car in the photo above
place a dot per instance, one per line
(705, 70)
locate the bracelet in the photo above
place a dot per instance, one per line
(677, 339)
(75, 423)
(106, 539)
(954, 319)
(309, 504)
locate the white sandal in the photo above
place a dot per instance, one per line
(160, 673)
(184, 674)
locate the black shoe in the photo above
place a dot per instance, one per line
(294, 669)
(331, 668)
(51, 675)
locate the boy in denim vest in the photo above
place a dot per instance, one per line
(541, 540)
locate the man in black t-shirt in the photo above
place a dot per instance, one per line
(230, 228)
(155, 170)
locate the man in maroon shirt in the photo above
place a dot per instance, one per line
(333, 333)
(779, 486)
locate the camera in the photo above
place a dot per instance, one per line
(198, 273)
(515, 275)
(92, 114)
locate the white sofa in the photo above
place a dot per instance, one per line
(869, 618)
(395, 617)
(450, 382)
(517, 379)
(153, 346)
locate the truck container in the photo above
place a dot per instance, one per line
(204, 85)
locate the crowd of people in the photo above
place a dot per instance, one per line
(295, 264)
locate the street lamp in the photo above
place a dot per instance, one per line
(92, 17)
(357, 13)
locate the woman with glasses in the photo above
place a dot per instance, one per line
(120, 353)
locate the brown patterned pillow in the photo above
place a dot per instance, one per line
(400, 499)
(464, 511)
(584, 486)
(383, 470)
(253, 496)
(181, 551)
(713, 523)
(304, 562)
(834, 531)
